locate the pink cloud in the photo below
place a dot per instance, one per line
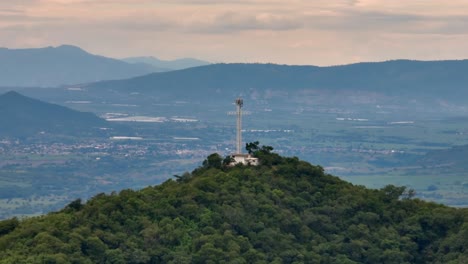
(295, 31)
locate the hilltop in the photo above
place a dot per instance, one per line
(24, 116)
(66, 64)
(284, 211)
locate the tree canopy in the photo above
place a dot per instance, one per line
(283, 211)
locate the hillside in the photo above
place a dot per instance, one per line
(284, 211)
(53, 66)
(24, 116)
(436, 79)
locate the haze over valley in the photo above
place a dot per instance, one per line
(370, 123)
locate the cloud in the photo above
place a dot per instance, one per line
(10, 11)
(260, 30)
(357, 20)
(228, 16)
(230, 22)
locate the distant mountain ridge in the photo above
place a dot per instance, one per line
(447, 79)
(24, 116)
(167, 65)
(66, 64)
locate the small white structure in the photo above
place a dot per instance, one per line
(245, 159)
(238, 157)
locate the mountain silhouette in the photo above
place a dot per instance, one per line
(25, 116)
(436, 79)
(66, 64)
(167, 65)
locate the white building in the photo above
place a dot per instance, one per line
(245, 159)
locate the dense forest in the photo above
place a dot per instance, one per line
(283, 211)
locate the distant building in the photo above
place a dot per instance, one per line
(238, 157)
(245, 159)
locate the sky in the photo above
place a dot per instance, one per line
(312, 32)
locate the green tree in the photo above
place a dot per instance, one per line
(7, 226)
(252, 147)
(283, 211)
(213, 161)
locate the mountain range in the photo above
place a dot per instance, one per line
(167, 65)
(54, 66)
(434, 79)
(22, 116)
(67, 64)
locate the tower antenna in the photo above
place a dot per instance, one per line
(238, 157)
(239, 104)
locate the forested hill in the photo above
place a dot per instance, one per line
(284, 211)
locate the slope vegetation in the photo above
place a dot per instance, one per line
(284, 211)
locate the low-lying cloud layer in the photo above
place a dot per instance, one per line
(296, 32)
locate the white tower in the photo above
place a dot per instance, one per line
(238, 157)
(239, 104)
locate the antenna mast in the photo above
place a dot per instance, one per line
(239, 104)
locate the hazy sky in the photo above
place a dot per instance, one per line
(318, 32)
